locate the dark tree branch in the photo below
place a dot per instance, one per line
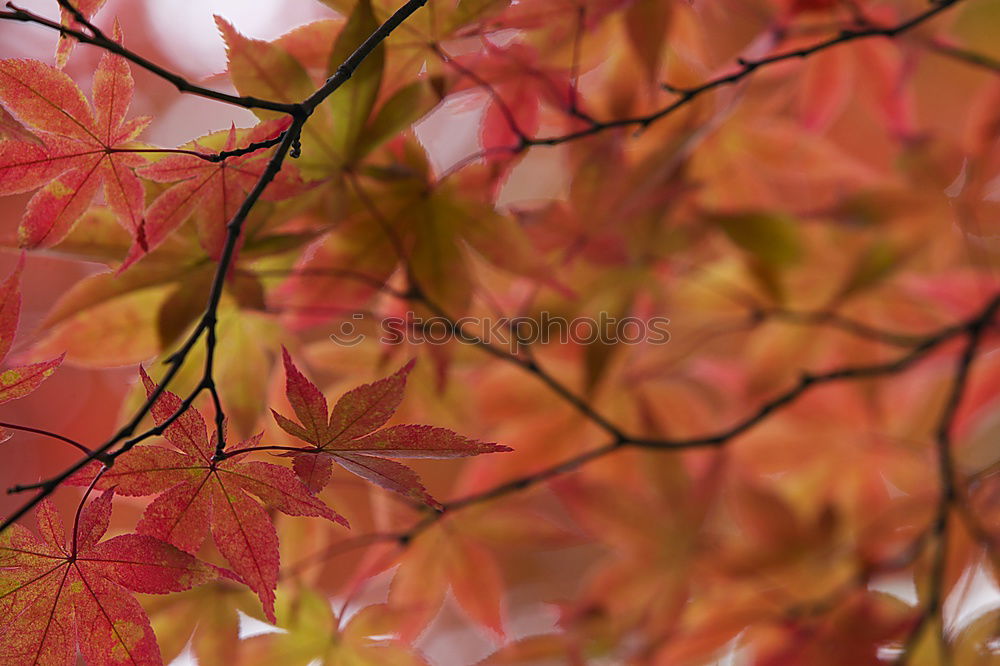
(47, 433)
(974, 328)
(746, 68)
(97, 38)
(948, 493)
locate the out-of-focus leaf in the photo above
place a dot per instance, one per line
(976, 644)
(647, 23)
(874, 265)
(406, 106)
(314, 634)
(184, 305)
(120, 330)
(828, 83)
(353, 102)
(772, 237)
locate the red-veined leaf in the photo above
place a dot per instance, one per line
(351, 436)
(199, 494)
(63, 589)
(86, 148)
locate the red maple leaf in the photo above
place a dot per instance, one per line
(211, 191)
(59, 592)
(18, 381)
(13, 130)
(85, 147)
(87, 9)
(350, 435)
(519, 86)
(198, 494)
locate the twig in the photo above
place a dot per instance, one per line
(940, 527)
(967, 56)
(183, 85)
(746, 68)
(47, 433)
(973, 327)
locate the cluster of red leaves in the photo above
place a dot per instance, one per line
(80, 150)
(71, 150)
(198, 494)
(68, 591)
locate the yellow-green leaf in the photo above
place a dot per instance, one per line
(352, 103)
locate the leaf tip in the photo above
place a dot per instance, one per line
(146, 381)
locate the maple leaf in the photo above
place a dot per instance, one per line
(316, 635)
(11, 129)
(18, 381)
(87, 9)
(350, 436)
(211, 191)
(57, 591)
(198, 494)
(461, 553)
(85, 147)
(515, 76)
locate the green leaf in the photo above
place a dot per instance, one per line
(406, 106)
(976, 27)
(772, 237)
(351, 105)
(876, 263)
(184, 305)
(469, 11)
(438, 263)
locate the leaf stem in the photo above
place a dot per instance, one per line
(47, 433)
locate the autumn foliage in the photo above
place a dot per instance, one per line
(510, 332)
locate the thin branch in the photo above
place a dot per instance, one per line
(948, 494)
(937, 45)
(220, 156)
(746, 68)
(182, 84)
(846, 324)
(47, 433)
(973, 327)
(967, 56)
(269, 448)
